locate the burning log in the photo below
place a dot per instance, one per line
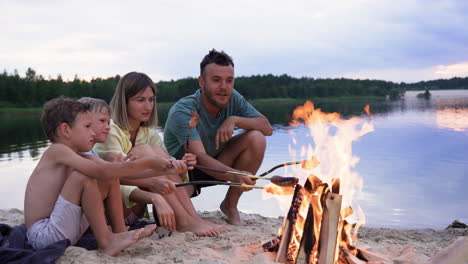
(329, 230)
(289, 222)
(313, 226)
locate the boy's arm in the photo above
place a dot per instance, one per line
(175, 167)
(100, 169)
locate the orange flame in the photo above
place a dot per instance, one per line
(329, 155)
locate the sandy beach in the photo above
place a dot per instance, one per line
(243, 243)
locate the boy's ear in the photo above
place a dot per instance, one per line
(64, 129)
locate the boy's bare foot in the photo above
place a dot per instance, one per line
(199, 228)
(231, 212)
(120, 241)
(147, 231)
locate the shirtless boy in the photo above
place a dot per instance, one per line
(64, 184)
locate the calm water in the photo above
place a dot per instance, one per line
(414, 165)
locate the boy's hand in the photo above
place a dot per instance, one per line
(165, 213)
(161, 164)
(190, 158)
(162, 186)
(179, 166)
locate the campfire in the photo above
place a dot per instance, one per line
(321, 225)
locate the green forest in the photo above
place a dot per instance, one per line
(34, 90)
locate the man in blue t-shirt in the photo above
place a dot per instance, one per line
(220, 109)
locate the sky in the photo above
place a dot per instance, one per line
(393, 40)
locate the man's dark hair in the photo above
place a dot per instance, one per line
(60, 110)
(216, 57)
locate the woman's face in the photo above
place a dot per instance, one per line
(140, 107)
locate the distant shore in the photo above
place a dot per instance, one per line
(243, 243)
(167, 105)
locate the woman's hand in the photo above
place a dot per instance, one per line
(165, 213)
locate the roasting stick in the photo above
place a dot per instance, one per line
(282, 165)
(229, 172)
(219, 183)
(277, 180)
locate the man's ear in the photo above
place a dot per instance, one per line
(201, 82)
(65, 130)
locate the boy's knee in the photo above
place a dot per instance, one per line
(79, 178)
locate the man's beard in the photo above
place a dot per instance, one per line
(212, 101)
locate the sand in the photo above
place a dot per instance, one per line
(243, 243)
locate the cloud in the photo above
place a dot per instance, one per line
(169, 38)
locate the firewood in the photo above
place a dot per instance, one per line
(329, 229)
(372, 256)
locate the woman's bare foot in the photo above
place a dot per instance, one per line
(199, 228)
(147, 231)
(231, 212)
(120, 241)
(219, 228)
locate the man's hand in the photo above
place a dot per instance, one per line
(162, 186)
(165, 213)
(243, 180)
(224, 132)
(190, 158)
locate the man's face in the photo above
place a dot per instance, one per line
(217, 83)
(101, 126)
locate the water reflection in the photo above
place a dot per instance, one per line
(414, 164)
(456, 119)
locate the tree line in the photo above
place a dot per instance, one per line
(34, 90)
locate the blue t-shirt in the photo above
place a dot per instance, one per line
(176, 128)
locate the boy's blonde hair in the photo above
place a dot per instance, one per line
(97, 105)
(128, 86)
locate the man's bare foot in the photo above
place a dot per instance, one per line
(147, 231)
(199, 228)
(231, 212)
(120, 241)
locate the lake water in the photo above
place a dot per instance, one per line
(414, 165)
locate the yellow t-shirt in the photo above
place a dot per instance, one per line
(118, 140)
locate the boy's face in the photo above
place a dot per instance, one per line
(82, 134)
(101, 126)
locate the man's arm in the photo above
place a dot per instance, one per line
(226, 130)
(196, 147)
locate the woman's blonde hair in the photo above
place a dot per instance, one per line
(128, 86)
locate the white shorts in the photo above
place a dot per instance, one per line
(65, 222)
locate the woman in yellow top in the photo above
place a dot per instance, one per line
(133, 132)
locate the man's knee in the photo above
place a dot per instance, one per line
(256, 139)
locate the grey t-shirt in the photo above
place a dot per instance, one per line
(176, 128)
